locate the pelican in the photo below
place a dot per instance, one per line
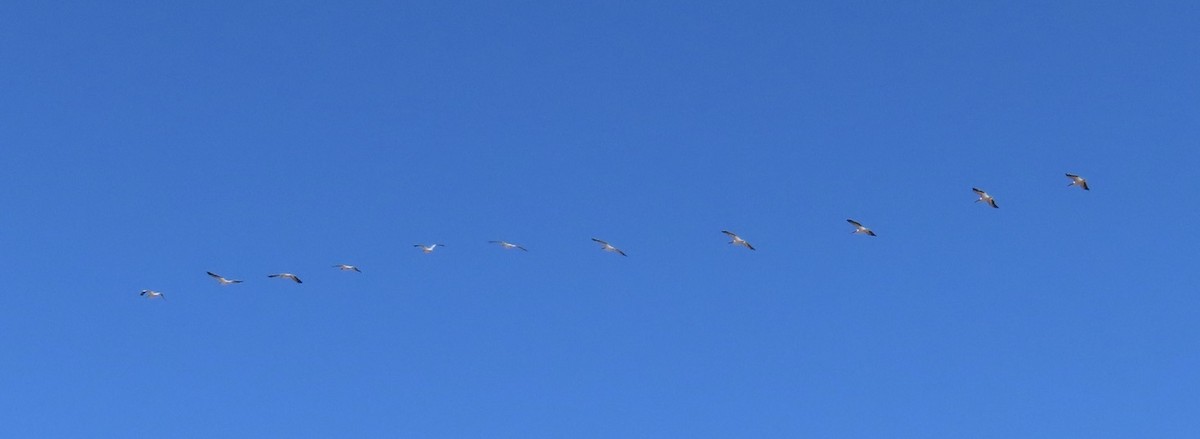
(508, 245)
(983, 196)
(345, 267)
(428, 248)
(222, 280)
(150, 294)
(609, 247)
(737, 240)
(1078, 181)
(286, 276)
(859, 228)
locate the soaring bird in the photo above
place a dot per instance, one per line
(737, 240)
(983, 196)
(222, 280)
(345, 267)
(859, 228)
(151, 294)
(609, 247)
(508, 245)
(286, 276)
(428, 248)
(1078, 181)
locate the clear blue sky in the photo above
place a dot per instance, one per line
(145, 143)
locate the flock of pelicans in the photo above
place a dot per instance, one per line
(604, 245)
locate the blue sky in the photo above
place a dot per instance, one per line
(146, 143)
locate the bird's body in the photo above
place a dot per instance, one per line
(609, 247)
(428, 248)
(737, 240)
(151, 294)
(983, 196)
(508, 245)
(286, 276)
(1078, 181)
(859, 228)
(223, 281)
(345, 267)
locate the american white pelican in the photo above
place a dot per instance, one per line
(859, 228)
(1078, 181)
(223, 281)
(286, 276)
(609, 247)
(508, 245)
(983, 196)
(737, 240)
(345, 267)
(151, 294)
(428, 248)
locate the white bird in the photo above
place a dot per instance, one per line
(737, 240)
(222, 280)
(859, 228)
(609, 247)
(983, 196)
(508, 245)
(286, 276)
(345, 267)
(150, 294)
(428, 248)
(1078, 181)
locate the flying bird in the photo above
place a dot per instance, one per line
(983, 196)
(609, 247)
(286, 276)
(428, 248)
(508, 245)
(859, 228)
(1078, 181)
(737, 240)
(151, 294)
(345, 267)
(222, 280)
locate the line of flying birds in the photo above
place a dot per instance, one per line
(604, 245)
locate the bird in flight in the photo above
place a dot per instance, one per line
(859, 228)
(609, 247)
(428, 248)
(222, 280)
(508, 245)
(345, 267)
(737, 240)
(1078, 181)
(286, 276)
(983, 196)
(151, 294)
